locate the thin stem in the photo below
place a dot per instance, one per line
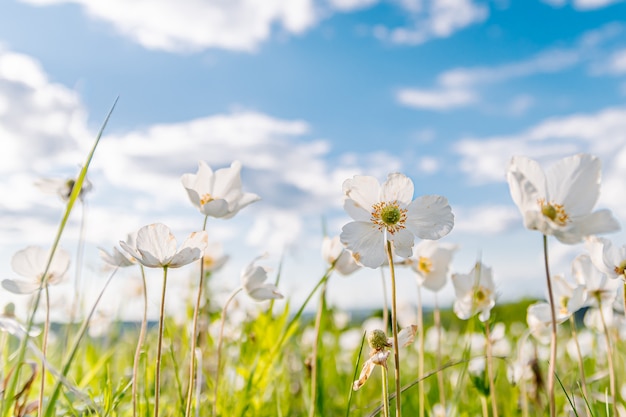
(553, 339)
(485, 407)
(194, 332)
(440, 382)
(394, 327)
(219, 347)
(492, 385)
(80, 250)
(420, 361)
(581, 364)
(385, 384)
(142, 336)
(314, 355)
(609, 354)
(385, 306)
(44, 350)
(157, 377)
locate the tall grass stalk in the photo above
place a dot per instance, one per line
(490, 373)
(394, 327)
(385, 387)
(157, 375)
(141, 339)
(553, 338)
(44, 351)
(220, 340)
(314, 355)
(194, 334)
(581, 364)
(438, 329)
(11, 384)
(420, 352)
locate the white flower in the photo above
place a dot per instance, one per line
(539, 320)
(333, 251)
(62, 187)
(607, 257)
(431, 261)
(475, 293)
(214, 258)
(156, 247)
(385, 212)
(559, 201)
(31, 263)
(253, 279)
(599, 288)
(217, 194)
(569, 297)
(118, 258)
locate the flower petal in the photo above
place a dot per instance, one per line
(156, 244)
(191, 250)
(366, 243)
(397, 187)
(430, 217)
(19, 286)
(403, 241)
(363, 190)
(575, 182)
(265, 292)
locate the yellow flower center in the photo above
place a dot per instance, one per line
(388, 215)
(563, 300)
(424, 265)
(481, 296)
(554, 212)
(621, 268)
(206, 198)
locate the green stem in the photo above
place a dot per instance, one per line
(492, 385)
(194, 332)
(314, 355)
(219, 347)
(142, 336)
(609, 355)
(394, 327)
(553, 338)
(44, 351)
(420, 362)
(440, 381)
(384, 384)
(157, 377)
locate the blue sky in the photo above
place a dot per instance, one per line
(307, 94)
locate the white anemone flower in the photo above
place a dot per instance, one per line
(475, 293)
(599, 288)
(607, 257)
(31, 263)
(385, 212)
(560, 200)
(217, 194)
(335, 253)
(253, 279)
(431, 261)
(117, 258)
(155, 247)
(214, 258)
(62, 187)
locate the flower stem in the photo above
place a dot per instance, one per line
(581, 364)
(384, 384)
(314, 355)
(142, 336)
(194, 331)
(553, 339)
(394, 327)
(219, 347)
(492, 385)
(157, 377)
(44, 350)
(609, 354)
(440, 382)
(420, 361)
(385, 306)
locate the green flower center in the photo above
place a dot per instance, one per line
(388, 215)
(554, 212)
(377, 340)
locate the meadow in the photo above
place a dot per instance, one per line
(559, 357)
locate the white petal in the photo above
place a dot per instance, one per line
(575, 182)
(191, 250)
(397, 187)
(403, 241)
(356, 211)
(601, 221)
(156, 244)
(265, 292)
(19, 286)
(430, 217)
(363, 190)
(525, 177)
(366, 243)
(216, 208)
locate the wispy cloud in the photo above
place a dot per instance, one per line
(438, 19)
(583, 5)
(444, 98)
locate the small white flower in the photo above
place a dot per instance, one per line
(598, 287)
(385, 212)
(253, 279)
(214, 258)
(560, 200)
(475, 293)
(217, 194)
(607, 257)
(431, 261)
(62, 187)
(333, 251)
(156, 247)
(31, 263)
(118, 258)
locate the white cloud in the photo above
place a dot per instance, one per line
(194, 25)
(350, 5)
(443, 99)
(585, 5)
(440, 19)
(485, 219)
(617, 63)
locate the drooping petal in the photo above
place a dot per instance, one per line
(356, 211)
(366, 243)
(598, 222)
(215, 208)
(265, 292)
(397, 187)
(20, 286)
(191, 250)
(430, 217)
(403, 241)
(363, 190)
